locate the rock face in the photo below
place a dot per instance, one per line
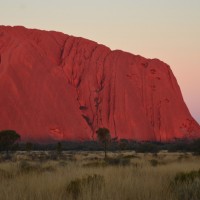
(59, 87)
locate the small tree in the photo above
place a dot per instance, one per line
(59, 148)
(7, 139)
(103, 135)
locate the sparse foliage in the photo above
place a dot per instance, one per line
(59, 148)
(103, 135)
(8, 139)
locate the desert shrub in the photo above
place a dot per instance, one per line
(187, 176)
(123, 144)
(48, 168)
(32, 156)
(25, 167)
(74, 188)
(155, 154)
(94, 183)
(186, 185)
(147, 148)
(154, 162)
(53, 155)
(130, 156)
(5, 174)
(118, 161)
(95, 164)
(71, 158)
(196, 147)
(29, 146)
(62, 163)
(93, 158)
(90, 183)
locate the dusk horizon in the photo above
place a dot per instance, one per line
(99, 100)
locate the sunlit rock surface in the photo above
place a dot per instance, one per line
(59, 87)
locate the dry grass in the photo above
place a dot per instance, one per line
(86, 176)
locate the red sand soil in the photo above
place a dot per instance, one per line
(59, 87)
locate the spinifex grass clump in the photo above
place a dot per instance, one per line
(118, 161)
(187, 185)
(91, 184)
(153, 162)
(5, 174)
(187, 176)
(26, 167)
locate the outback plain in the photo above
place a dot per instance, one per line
(86, 175)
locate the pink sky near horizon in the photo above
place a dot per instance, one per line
(167, 30)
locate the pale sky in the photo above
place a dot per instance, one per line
(165, 29)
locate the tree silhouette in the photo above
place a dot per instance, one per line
(59, 148)
(103, 135)
(7, 139)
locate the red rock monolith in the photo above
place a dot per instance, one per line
(59, 87)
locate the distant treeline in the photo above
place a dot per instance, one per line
(115, 145)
